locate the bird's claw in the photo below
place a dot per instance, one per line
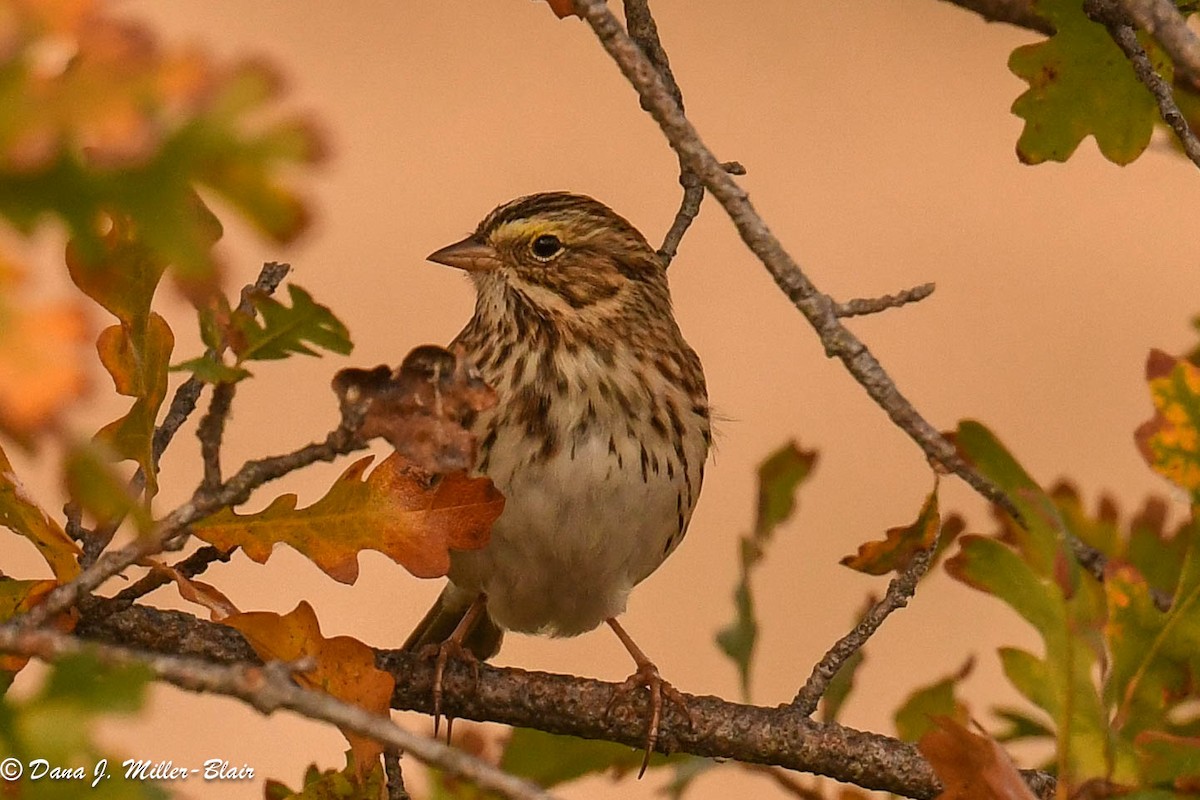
(647, 677)
(441, 654)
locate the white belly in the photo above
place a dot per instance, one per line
(578, 531)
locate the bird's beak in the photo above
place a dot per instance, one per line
(470, 255)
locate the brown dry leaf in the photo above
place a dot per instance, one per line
(219, 606)
(344, 667)
(17, 597)
(411, 516)
(424, 409)
(971, 766)
(900, 545)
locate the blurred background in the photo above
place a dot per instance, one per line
(879, 147)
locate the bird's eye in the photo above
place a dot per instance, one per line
(545, 247)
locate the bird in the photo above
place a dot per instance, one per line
(598, 439)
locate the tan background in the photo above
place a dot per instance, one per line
(880, 149)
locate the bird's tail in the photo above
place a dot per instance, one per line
(482, 638)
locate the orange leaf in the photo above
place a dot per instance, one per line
(410, 516)
(562, 8)
(345, 667)
(20, 513)
(899, 547)
(17, 597)
(970, 766)
(220, 607)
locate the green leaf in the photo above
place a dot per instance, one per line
(918, 714)
(779, 476)
(91, 481)
(1170, 761)
(1020, 725)
(284, 331)
(56, 724)
(332, 784)
(550, 759)
(19, 513)
(1033, 570)
(211, 371)
(1081, 84)
(837, 691)
(686, 771)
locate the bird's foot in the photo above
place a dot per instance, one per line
(441, 654)
(647, 677)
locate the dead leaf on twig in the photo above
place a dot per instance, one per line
(424, 409)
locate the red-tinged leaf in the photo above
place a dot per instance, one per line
(1170, 761)
(21, 514)
(927, 705)
(901, 545)
(562, 8)
(344, 667)
(1170, 442)
(970, 766)
(219, 606)
(408, 515)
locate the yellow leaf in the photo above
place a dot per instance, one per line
(1170, 442)
(20, 513)
(344, 667)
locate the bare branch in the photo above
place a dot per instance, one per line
(817, 308)
(1014, 12)
(1162, 20)
(873, 305)
(1112, 16)
(212, 430)
(267, 690)
(900, 590)
(566, 704)
(395, 775)
(189, 567)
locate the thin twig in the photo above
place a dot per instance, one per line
(873, 305)
(395, 775)
(900, 590)
(817, 308)
(268, 690)
(1112, 16)
(1162, 20)
(211, 432)
(576, 706)
(644, 32)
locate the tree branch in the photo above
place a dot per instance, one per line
(1162, 20)
(1112, 16)
(817, 308)
(577, 706)
(268, 689)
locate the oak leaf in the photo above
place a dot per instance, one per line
(971, 766)
(562, 8)
(902, 544)
(342, 666)
(1170, 442)
(424, 409)
(410, 516)
(19, 513)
